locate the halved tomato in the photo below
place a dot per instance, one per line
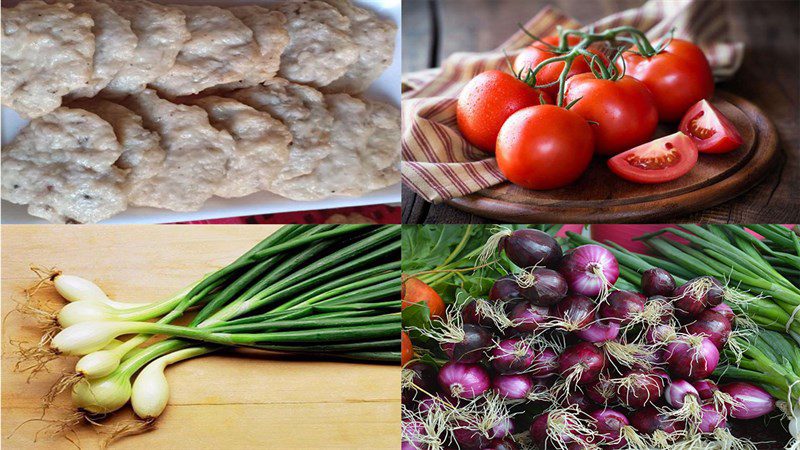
(710, 130)
(657, 161)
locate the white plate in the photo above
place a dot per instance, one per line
(386, 88)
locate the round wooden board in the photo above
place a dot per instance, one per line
(600, 196)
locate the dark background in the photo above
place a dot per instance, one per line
(769, 77)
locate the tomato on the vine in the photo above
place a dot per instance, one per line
(537, 52)
(414, 290)
(544, 147)
(487, 101)
(406, 349)
(624, 110)
(679, 76)
(710, 130)
(658, 161)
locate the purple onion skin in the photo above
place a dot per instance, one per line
(575, 309)
(599, 332)
(660, 373)
(468, 438)
(502, 444)
(602, 392)
(578, 268)
(689, 305)
(467, 381)
(659, 333)
(648, 419)
(755, 401)
(585, 355)
(726, 311)
(409, 446)
(427, 404)
(545, 364)
(424, 377)
(686, 303)
(676, 392)
(529, 316)
(470, 315)
(538, 432)
(413, 428)
(622, 306)
(581, 399)
(505, 289)
(505, 359)
(473, 348)
(657, 281)
(512, 386)
(550, 287)
(647, 389)
(691, 363)
(503, 429)
(528, 248)
(650, 360)
(712, 325)
(716, 294)
(609, 422)
(711, 419)
(705, 388)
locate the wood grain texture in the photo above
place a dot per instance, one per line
(599, 196)
(768, 79)
(230, 400)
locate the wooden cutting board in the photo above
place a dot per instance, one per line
(230, 400)
(600, 196)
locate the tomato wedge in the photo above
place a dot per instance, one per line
(710, 130)
(657, 161)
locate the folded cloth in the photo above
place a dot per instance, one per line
(439, 164)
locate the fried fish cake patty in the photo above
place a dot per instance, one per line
(67, 136)
(161, 31)
(62, 166)
(196, 153)
(221, 50)
(142, 155)
(261, 150)
(364, 149)
(302, 109)
(320, 47)
(47, 52)
(269, 31)
(381, 157)
(115, 43)
(375, 38)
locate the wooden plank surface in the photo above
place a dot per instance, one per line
(768, 78)
(243, 400)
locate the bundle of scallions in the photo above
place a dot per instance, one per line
(762, 286)
(328, 290)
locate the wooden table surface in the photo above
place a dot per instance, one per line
(433, 29)
(218, 401)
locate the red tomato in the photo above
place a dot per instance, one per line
(538, 52)
(487, 101)
(624, 110)
(711, 131)
(414, 290)
(406, 349)
(678, 77)
(658, 161)
(544, 147)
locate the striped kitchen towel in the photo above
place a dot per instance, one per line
(439, 164)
